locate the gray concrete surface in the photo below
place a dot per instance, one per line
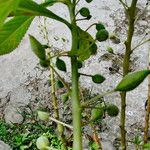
(22, 80)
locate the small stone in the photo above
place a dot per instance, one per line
(4, 146)
(106, 145)
(12, 115)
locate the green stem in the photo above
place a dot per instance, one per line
(60, 127)
(126, 69)
(95, 99)
(87, 75)
(147, 115)
(76, 104)
(61, 79)
(60, 122)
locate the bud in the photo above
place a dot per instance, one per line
(42, 142)
(44, 116)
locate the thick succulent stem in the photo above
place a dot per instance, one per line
(76, 107)
(126, 69)
(75, 96)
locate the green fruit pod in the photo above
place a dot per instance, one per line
(37, 48)
(98, 78)
(97, 113)
(65, 97)
(93, 49)
(132, 80)
(42, 143)
(102, 35)
(99, 26)
(60, 64)
(88, 1)
(79, 64)
(44, 63)
(84, 12)
(112, 110)
(44, 116)
(59, 84)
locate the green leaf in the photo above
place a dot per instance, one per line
(12, 32)
(65, 97)
(37, 48)
(49, 3)
(146, 146)
(132, 80)
(60, 64)
(85, 43)
(99, 26)
(98, 78)
(97, 113)
(44, 63)
(59, 84)
(6, 6)
(30, 8)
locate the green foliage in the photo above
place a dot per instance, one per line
(50, 2)
(110, 50)
(132, 80)
(23, 136)
(60, 64)
(85, 43)
(44, 63)
(6, 6)
(30, 8)
(137, 140)
(37, 48)
(59, 84)
(93, 49)
(112, 110)
(93, 145)
(98, 78)
(146, 146)
(97, 112)
(12, 32)
(65, 97)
